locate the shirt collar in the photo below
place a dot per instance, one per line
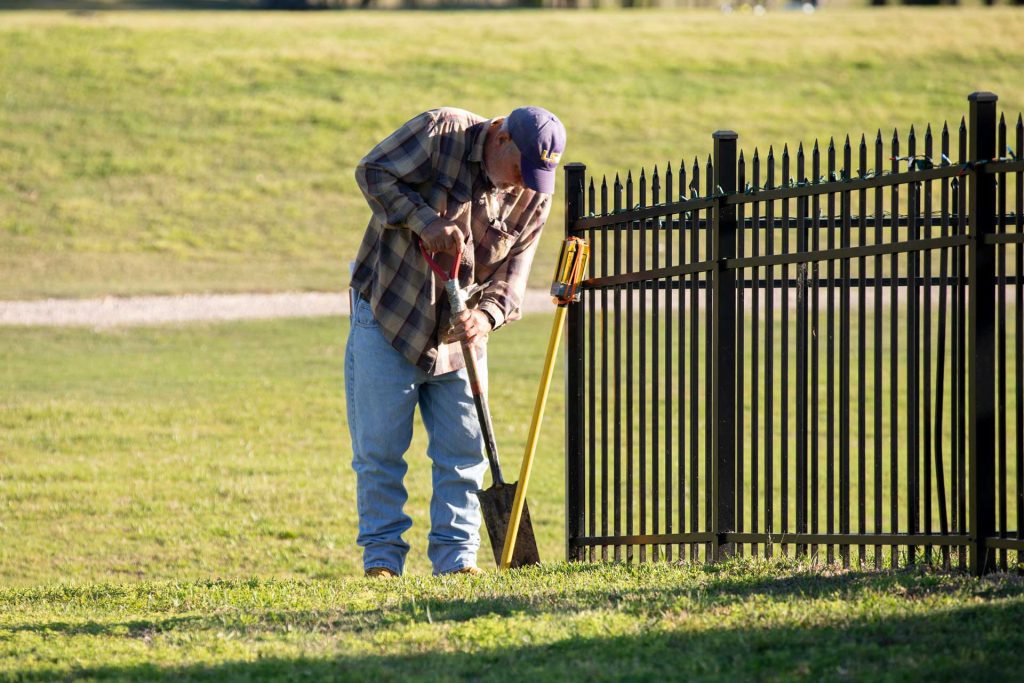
(476, 150)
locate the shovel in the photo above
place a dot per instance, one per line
(496, 502)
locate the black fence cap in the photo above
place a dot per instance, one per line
(982, 96)
(724, 135)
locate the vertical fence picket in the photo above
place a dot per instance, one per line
(630, 372)
(709, 492)
(755, 349)
(801, 360)
(877, 351)
(616, 364)
(604, 490)
(815, 351)
(830, 363)
(694, 368)
(681, 355)
(738, 396)
(862, 395)
(926, 356)
(1001, 405)
(784, 357)
(642, 385)
(769, 364)
(894, 366)
(912, 361)
(844, 365)
(961, 337)
(655, 374)
(670, 233)
(940, 355)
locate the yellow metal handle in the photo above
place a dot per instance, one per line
(531, 442)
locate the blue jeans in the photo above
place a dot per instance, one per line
(382, 392)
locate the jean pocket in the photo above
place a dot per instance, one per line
(363, 315)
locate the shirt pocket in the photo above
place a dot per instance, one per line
(495, 244)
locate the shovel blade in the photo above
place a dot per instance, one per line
(496, 506)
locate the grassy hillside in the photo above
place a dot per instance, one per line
(172, 152)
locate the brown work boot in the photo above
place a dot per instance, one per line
(471, 571)
(380, 573)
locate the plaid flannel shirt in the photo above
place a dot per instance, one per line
(433, 166)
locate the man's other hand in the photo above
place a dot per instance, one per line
(470, 325)
(442, 235)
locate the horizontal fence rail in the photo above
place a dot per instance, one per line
(793, 354)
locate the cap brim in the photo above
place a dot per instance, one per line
(538, 179)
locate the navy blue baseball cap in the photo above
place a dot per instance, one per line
(540, 137)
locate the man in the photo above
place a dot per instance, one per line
(451, 181)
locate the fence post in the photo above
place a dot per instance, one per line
(723, 336)
(575, 445)
(981, 333)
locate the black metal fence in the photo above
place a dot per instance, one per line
(820, 359)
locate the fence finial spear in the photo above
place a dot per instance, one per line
(878, 139)
(963, 124)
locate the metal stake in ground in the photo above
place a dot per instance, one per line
(571, 265)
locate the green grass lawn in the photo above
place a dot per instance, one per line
(177, 503)
(221, 450)
(172, 152)
(738, 621)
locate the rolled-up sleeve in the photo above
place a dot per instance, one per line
(503, 298)
(388, 173)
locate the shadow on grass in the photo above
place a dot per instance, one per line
(642, 601)
(972, 642)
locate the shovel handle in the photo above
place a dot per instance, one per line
(483, 412)
(457, 303)
(531, 443)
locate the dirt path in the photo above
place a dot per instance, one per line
(157, 310)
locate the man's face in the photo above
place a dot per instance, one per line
(502, 160)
